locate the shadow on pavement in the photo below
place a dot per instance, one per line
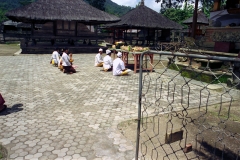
(15, 108)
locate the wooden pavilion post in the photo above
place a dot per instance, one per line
(32, 33)
(76, 29)
(131, 37)
(194, 19)
(32, 28)
(54, 28)
(114, 32)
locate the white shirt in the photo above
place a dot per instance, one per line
(55, 56)
(65, 59)
(98, 59)
(107, 62)
(118, 66)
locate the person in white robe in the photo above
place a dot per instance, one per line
(118, 66)
(55, 57)
(99, 59)
(67, 65)
(107, 61)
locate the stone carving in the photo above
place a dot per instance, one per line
(226, 36)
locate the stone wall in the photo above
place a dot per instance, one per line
(221, 34)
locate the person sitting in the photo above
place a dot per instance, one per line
(60, 66)
(67, 66)
(107, 61)
(2, 105)
(70, 57)
(118, 66)
(55, 57)
(99, 59)
(71, 60)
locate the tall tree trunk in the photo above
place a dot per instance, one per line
(170, 3)
(194, 24)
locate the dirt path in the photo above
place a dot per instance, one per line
(9, 49)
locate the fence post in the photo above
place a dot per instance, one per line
(139, 105)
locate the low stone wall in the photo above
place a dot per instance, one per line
(221, 34)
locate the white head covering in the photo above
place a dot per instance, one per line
(108, 51)
(119, 54)
(100, 49)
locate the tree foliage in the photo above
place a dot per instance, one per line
(99, 4)
(3, 12)
(115, 9)
(179, 15)
(177, 4)
(204, 5)
(207, 6)
(26, 2)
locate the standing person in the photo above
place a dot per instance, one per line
(99, 59)
(67, 66)
(55, 57)
(118, 66)
(107, 61)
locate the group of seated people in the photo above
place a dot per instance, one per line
(63, 60)
(117, 66)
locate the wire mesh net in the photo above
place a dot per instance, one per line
(187, 111)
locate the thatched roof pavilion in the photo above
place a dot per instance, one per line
(67, 10)
(142, 16)
(202, 20)
(146, 19)
(69, 23)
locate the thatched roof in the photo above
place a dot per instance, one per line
(68, 10)
(201, 19)
(144, 17)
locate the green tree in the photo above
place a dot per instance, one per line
(207, 6)
(99, 4)
(167, 4)
(115, 9)
(179, 15)
(25, 2)
(3, 12)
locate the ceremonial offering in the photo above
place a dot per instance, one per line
(118, 44)
(140, 49)
(126, 48)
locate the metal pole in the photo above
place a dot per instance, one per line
(139, 106)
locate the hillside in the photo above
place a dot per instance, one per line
(9, 4)
(110, 7)
(115, 9)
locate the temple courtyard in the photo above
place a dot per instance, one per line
(52, 115)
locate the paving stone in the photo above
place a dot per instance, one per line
(52, 115)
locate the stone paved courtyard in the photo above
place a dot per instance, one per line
(52, 115)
